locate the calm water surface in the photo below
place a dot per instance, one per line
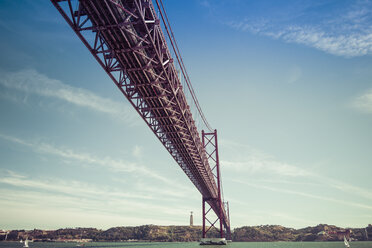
(193, 245)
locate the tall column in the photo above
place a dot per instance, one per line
(191, 219)
(218, 184)
(203, 216)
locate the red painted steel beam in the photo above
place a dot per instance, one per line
(210, 144)
(126, 39)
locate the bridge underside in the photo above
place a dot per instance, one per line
(126, 39)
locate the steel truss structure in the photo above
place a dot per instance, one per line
(211, 149)
(126, 39)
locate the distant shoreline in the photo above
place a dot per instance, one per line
(154, 233)
(196, 241)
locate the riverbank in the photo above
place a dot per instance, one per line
(154, 233)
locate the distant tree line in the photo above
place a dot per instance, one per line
(264, 233)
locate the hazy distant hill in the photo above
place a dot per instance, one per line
(320, 232)
(138, 233)
(152, 233)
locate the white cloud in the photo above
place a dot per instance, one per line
(364, 102)
(205, 3)
(137, 151)
(139, 191)
(30, 209)
(32, 82)
(356, 44)
(295, 74)
(348, 34)
(300, 193)
(256, 162)
(107, 162)
(345, 187)
(73, 188)
(350, 45)
(65, 198)
(259, 217)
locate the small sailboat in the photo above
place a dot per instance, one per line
(26, 243)
(346, 242)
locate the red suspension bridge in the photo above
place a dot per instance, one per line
(126, 39)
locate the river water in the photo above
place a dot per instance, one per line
(192, 245)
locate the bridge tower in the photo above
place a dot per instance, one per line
(210, 145)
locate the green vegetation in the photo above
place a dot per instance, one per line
(138, 233)
(265, 233)
(320, 232)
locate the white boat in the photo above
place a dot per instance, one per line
(346, 242)
(213, 241)
(26, 243)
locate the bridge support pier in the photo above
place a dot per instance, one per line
(211, 148)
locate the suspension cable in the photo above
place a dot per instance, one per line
(180, 61)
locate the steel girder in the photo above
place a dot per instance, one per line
(216, 204)
(125, 38)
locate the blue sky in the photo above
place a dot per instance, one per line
(287, 84)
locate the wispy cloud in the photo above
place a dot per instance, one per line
(135, 197)
(286, 182)
(73, 188)
(304, 194)
(137, 151)
(139, 191)
(295, 74)
(347, 34)
(259, 217)
(52, 209)
(255, 161)
(133, 205)
(348, 188)
(33, 82)
(86, 158)
(364, 102)
(258, 162)
(205, 3)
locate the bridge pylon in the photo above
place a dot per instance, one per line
(210, 145)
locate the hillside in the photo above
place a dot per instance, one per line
(321, 232)
(261, 233)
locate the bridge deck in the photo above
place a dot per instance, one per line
(125, 37)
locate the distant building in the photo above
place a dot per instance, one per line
(4, 233)
(368, 231)
(191, 220)
(341, 233)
